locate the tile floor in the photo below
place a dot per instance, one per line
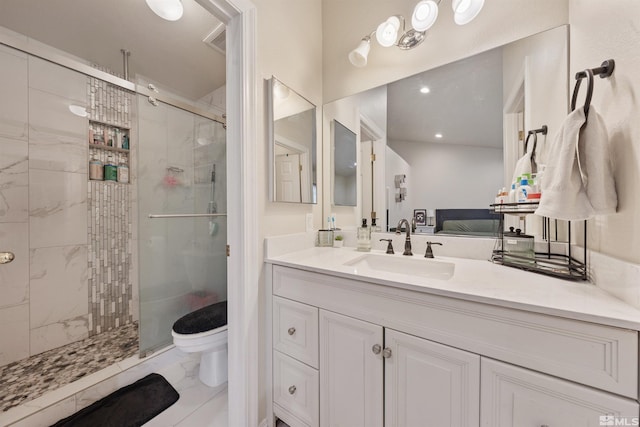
(212, 413)
(27, 379)
(198, 406)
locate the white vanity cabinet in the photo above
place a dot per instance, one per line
(295, 362)
(391, 357)
(424, 383)
(351, 373)
(429, 384)
(515, 397)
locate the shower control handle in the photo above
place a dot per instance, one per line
(291, 331)
(6, 257)
(292, 389)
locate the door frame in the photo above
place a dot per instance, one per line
(242, 201)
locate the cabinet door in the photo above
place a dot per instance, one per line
(429, 384)
(517, 397)
(350, 372)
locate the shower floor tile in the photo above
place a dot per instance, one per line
(30, 378)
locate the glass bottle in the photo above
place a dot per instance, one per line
(364, 237)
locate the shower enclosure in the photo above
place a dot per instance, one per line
(181, 217)
(89, 259)
(89, 278)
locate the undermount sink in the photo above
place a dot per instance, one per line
(413, 266)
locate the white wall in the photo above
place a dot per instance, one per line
(445, 176)
(346, 22)
(289, 48)
(599, 31)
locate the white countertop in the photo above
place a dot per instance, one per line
(480, 281)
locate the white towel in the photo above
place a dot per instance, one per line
(523, 165)
(578, 180)
(596, 165)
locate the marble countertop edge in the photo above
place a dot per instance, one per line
(482, 282)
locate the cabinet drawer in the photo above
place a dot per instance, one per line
(296, 388)
(295, 330)
(600, 356)
(514, 397)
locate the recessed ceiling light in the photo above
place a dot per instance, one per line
(438, 135)
(171, 10)
(425, 89)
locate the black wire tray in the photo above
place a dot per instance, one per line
(515, 208)
(551, 264)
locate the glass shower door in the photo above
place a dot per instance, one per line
(182, 226)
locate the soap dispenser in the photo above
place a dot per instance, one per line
(364, 237)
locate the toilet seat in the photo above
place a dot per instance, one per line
(206, 319)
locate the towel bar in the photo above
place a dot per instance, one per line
(153, 216)
(604, 70)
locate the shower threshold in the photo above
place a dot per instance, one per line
(27, 379)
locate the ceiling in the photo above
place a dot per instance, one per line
(464, 104)
(169, 53)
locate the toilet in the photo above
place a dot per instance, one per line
(205, 330)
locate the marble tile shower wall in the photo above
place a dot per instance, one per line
(44, 200)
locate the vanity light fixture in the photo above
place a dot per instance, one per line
(425, 89)
(438, 135)
(465, 11)
(392, 31)
(171, 10)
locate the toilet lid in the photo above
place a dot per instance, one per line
(205, 319)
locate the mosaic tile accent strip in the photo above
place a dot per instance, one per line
(110, 285)
(110, 216)
(30, 378)
(108, 103)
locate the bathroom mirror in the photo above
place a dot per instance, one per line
(454, 132)
(345, 166)
(292, 145)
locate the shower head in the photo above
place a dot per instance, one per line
(213, 174)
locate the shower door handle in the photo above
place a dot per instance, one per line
(6, 257)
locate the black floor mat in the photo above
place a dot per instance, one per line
(130, 406)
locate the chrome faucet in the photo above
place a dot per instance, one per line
(407, 240)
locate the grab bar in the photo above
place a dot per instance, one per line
(152, 216)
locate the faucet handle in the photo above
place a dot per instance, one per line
(389, 245)
(429, 252)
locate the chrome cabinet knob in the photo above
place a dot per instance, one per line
(291, 331)
(292, 389)
(6, 257)
(386, 353)
(377, 348)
